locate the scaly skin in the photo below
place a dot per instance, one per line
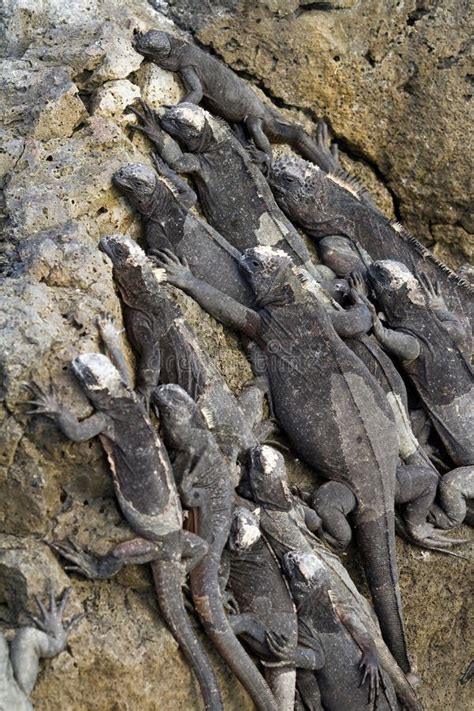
(146, 492)
(168, 350)
(206, 487)
(339, 680)
(266, 616)
(342, 424)
(233, 193)
(324, 205)
(226, 95)
(288, 525)
(434, 350)
(169, 224)
(19, 664)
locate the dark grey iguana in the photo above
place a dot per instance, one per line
(226, 95)
(335, 413)
(206, 487)
(146, 493)
(320, 622)
(289, 525)
(323, 205)
(233, 193)
(19, 661)
(266, 617)
(434, 349)
(168, 351)
(164, 202)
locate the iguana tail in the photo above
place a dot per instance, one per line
(376, 541)
(208, 602)
(167, 576)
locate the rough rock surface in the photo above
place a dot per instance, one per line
(69, 71)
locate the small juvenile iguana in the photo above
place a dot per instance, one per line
(322, 622)
(206, 487)
(334, 412)
(289, 525)
(266, 615)
(233, 193)
(168, 351)
(164, 202)
(19, 661)
(226, 95)
(324, 204)
(146, 493)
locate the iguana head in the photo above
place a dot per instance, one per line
(265, 480)
(99, 378)
(190, 124)
(341, 255)
(395, 288)
(179, 414)
(305, 573)
(274, 277)
(153, 44)
(290, 178)
(245, 529)
(132, 269)
(138, 183)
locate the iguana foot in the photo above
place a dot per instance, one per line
(45, 402)
(281, 648)
(369, 667)
(427, 535)
(85, 564)
(50, 621)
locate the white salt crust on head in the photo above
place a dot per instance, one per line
(400, 276)
(296, 167)
(266, 252)
(192, 114)
(106, 375)
(137, 255)
(308, 564)
(248, 528)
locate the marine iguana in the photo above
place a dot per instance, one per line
(206, 487)
(266, 617)
(19, 661)
(146, 493)
(226, 95)
(334, 412)
(164, 202)
(169, 352)
(233, 193)
(434, 350)
(289, 526)
(324, 204)
(320, 621)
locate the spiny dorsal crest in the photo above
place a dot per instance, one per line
(208, 416)
(347, 182)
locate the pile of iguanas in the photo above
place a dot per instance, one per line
(361, 353)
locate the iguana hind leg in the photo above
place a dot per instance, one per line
(456, 488)
(282, 132)
(333, 502)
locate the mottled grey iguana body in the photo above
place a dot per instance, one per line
(233, 193)
(146, 493)
(227, 95)
(207, 488)
(164, 202)
(434, 350)
(168, 351)
(320, 622)
(323, 205)
(19, 661)
(266, 617)
(288, 525)
(335, 413)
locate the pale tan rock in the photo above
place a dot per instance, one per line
(158, 87)
(113, 97)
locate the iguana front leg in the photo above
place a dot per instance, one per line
(300, 657)
(166, 146)
(136, 551)
(146, 345)
(46, 403)
(333, 502)
(48, 639)
(111, 337)
(222, 307)
(192, 84)
(402, 345)
(455, 489)
(186, 194)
